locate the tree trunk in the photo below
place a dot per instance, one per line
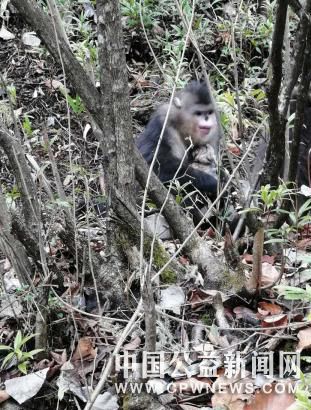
(277, 124)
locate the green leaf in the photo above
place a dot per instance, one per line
(7, 359)
(26, 338)
(23, 367)
(19, 354)
(291, 292)
(4, 347)
(27, 126)
(18, 340)
(275, 240)
(283, 211)
(293, 218)
(32, 353)
(305, 207)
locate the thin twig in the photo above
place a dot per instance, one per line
(112, 356)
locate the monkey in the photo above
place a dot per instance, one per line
(191, 122)
(204, 158)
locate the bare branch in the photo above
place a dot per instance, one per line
(57, 20)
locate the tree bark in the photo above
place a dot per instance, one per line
(117, 136)
(302, 97)
(277, 124)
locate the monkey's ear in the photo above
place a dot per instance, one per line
(177, 102)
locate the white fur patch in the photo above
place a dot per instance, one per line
(177, 146)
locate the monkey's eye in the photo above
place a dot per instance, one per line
(198, 113)
(210, 112)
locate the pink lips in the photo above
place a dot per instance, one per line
(204, 130)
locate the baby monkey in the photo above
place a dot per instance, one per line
(204, 158)
(191, 120)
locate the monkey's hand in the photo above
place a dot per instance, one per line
(204, 155)
(203, 178)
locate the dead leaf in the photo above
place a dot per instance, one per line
(172, 298)
(184, 260)
(84, 350)
(270, 401)
(43, 364)
(305, 190)
(233, 392)
(57, 362)
(245, 313)
(265, 258)
(133, 344)
(10, 306)
(3, 7)
(269, 274)
(69, 380)
(304, 337)
(30, 39)
(55, 85)
(3, 396)
(11, 281)
(59, 358)
(234, 149)
(107, 400)
(24, 388)
(200, 297)
(6, 34)
(275, 320)
(266, 308)
(304, 244)
(210, 232)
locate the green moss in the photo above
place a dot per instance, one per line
(208, 318)
(168, 276)
(160, 258)
(288, 346)
(125, 402)
(233, 282)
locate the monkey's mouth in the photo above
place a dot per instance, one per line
(204, 130)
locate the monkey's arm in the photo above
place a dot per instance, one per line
(148, 139)
(204, 181)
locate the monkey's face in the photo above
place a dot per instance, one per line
(205, 123)
(199, 123)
